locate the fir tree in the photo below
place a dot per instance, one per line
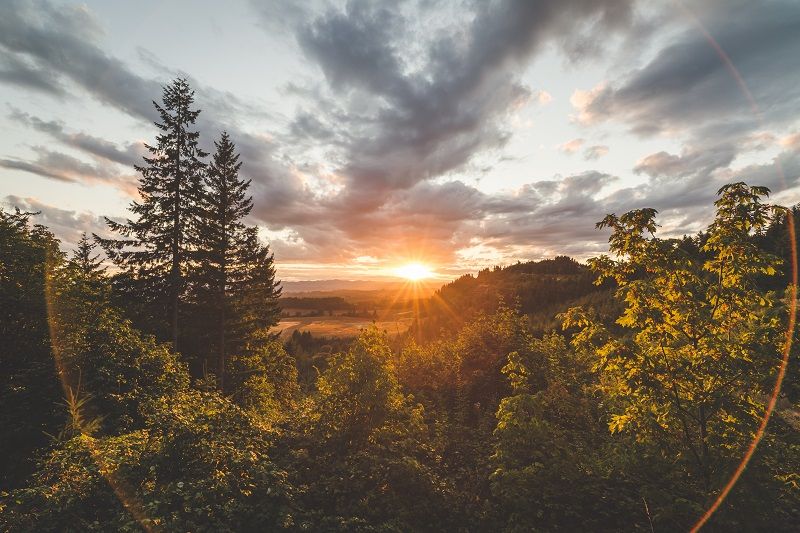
(255, 294)
(85, 261)
(235, 276)
(156, 248)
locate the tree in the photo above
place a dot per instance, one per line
(118, 369)
(156, 247)
(83, 287)
(264, 381)
(694, 373)
(254, 298)
(234, 283)
(554, 464)
(363, 456)
(85, 261)
(30, 390)
(201, 464)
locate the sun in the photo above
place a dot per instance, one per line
(414, 272)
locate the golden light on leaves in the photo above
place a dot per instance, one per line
(414, 272)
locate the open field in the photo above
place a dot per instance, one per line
(338, 326)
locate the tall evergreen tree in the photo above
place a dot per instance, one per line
(156, 248)
(235, 274)
(85, 261)
(83, 289)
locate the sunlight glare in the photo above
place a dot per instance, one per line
(413, 272)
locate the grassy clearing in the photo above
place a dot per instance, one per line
(339, 326)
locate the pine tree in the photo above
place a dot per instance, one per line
(85, 261)
(83, 287)
(235, 286)
(256, 294)
(156, 248)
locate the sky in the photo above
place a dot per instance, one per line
(459, 134)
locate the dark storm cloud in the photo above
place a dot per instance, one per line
(688, 86)
(419, 106)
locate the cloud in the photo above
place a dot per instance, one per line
(66, 225)
(703, 161)
(64, 167)
(405, 97)
(595, 151)
(417, 102)
(570, 147)
(544, 97)
(61, 41)
(791, 141)
(411, 94)
(20, 73)
(558, 215)
(131, 154)
(689, 86)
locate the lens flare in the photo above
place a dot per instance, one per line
(792, 307)
(414, 272)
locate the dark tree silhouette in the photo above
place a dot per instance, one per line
(85, 261)
(156, 247)
(234, 279)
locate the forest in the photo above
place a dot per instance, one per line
(144, 391)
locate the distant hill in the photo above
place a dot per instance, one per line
(540, 289)
(353, 288)
(333, 285)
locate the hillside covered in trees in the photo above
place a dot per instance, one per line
(147, 394)
(538, 289)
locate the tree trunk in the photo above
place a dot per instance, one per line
(704, 447)
(222, 302)
(175, 273)
(221, 362)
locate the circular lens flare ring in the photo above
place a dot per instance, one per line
(792, 308)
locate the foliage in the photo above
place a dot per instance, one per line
(232, 269)
(264, 380)
(120, 370)
(631, 419)
(30, 390)
(364, 460)
(155, 249)
(703, 332)
(203, 465)
(554, 466)
(539, 289)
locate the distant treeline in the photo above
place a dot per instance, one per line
(330, 303)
